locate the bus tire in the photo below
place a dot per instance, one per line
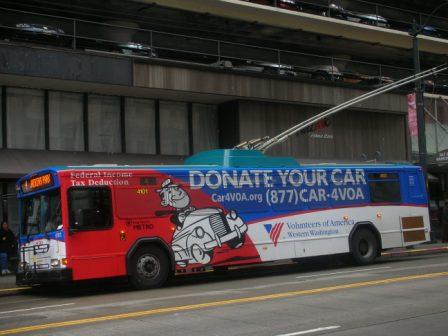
(364, 247)
(149, 268)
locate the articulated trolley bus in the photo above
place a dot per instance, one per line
(224, 207)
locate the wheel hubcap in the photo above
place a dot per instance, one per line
(148, 266)
(364, 247)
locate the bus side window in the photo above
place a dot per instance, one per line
(90, 208)
(384, 188)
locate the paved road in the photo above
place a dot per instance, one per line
(402, 296)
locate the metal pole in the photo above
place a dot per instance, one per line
(278, 62)
(74, 34)
(380, 78)
(419, 99)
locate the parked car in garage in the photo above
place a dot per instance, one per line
(289, 4)
(370, 19)
(429, 31)
(438, 86)
(324, 72)
(335, 11)
(38, 29)
(277, 69)
(41, 33)
(137, 49)
(261, 2)
(258, 66)
(368, 80)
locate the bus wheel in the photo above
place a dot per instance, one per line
(150, 268)
(364, 247)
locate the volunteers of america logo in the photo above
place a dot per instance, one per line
(274, 231)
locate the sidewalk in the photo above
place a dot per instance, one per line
(423, 249)
(8, 282)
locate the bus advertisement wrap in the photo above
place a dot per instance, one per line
(216, 217)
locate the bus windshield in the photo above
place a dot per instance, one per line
(42, 213)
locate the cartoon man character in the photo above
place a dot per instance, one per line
(173, 195)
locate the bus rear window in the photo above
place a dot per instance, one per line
(90, 208)
(384, 188)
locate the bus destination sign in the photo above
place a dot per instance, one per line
(37, 182)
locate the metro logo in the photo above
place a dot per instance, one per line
(274, 231)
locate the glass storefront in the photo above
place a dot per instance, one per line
(71, 121)
(9, 205)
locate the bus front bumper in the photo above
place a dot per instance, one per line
(43, 276)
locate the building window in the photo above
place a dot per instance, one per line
(25, 118)
(9, 207)
(104, 124)
(173, 128)
(66, 121)
(205, 127)
(140, 126)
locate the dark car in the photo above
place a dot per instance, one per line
(429, 31)
(261, 2)
(439, 86)
(259, 67)
(325, 72)
(335, 11)
(289, 4)
(339, 12)
(40, 33)
(370, 19)
(38, 29)
(268, 67)
(368, 80)
(137, 49)
(277, 69)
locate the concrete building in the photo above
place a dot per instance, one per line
(151, 82)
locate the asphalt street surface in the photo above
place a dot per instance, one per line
(398, 296)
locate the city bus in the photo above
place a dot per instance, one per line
(221, 208)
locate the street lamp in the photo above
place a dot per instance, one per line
(419, 98)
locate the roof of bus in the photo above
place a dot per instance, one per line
(201, 167)
(229, 159)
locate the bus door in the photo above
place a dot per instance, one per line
(93, 243)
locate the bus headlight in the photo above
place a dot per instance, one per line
(55, 263)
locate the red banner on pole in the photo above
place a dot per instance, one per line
(412, 115)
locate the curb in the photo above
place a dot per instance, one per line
(416, 252)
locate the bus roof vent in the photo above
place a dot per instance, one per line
(105, 165)
(239, 158)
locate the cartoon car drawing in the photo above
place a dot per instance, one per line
(199, 231)
(202, 231)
